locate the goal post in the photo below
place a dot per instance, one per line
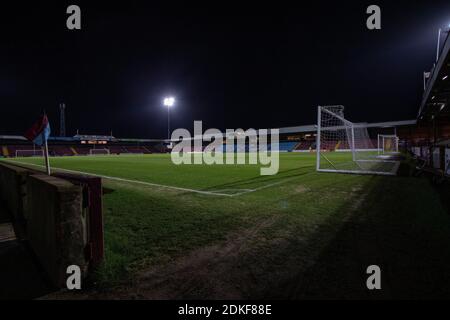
(387, 144)
(99, 152)
(346, 147)
(30, 153)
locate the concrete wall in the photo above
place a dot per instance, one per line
(55, 225)
(51, 210)
(13, 189)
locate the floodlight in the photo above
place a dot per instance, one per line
(169, 102)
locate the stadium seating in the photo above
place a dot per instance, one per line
(82, 150)
(60, 151)
(71, 149)
(135, 150)
(11, 149)
(4, 151)
(328, 145)
(283, 147)
(287, 146)
(116, 149)
(304, 145)
(343, 145)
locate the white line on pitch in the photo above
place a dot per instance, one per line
(131, 181)
(262, 187)
(267, 185)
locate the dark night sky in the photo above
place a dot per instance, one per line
(229, 65)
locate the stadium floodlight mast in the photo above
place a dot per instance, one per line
(169, 103)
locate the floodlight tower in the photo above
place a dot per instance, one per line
(168, 102)
(62, 120)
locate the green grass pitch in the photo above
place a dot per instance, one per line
(287, 221)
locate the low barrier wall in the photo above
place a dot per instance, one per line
(55, 226)
(56, 215)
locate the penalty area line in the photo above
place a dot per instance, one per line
(269, 185)
(262, 187)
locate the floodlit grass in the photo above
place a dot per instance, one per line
(289, 222)
(144, 223)
(159, 169)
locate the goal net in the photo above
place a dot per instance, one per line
(343, 146)
(29, 153)
(99, 152)
(387, 144)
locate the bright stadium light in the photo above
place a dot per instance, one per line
(169, 103)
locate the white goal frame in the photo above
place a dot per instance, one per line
(381, 144)
(34, 153)
(362, 160)
(107, 152)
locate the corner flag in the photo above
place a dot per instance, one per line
(39, 134)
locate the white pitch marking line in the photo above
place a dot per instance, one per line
(262, 187)
(234, 190)
(166, 186)
(131, 181)
(268, 185)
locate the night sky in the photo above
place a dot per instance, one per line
(228, 64)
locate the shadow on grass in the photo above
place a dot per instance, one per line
(264, 180)
(400, 225)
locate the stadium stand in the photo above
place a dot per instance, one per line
(74, 151)
(429, 141)
(137, 150)
(61, 151)
(299, 139)
(287, 146)
(342, 145)
(116, 149)
(306, 145)
(4, 151)
(9, 145)
(82, 151)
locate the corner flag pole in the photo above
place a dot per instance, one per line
(47, 162)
